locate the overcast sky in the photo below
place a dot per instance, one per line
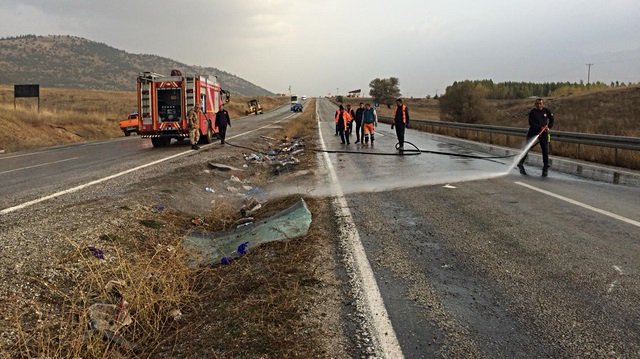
(318, 47)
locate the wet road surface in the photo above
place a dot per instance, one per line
(502, 265)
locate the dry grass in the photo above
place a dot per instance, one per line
(254, 307)
(73, 116)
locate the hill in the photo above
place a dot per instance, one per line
(78, 63)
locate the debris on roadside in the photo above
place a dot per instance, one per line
(207, 248)
(221, 167)
(108, 319)
(281, 158)
(98, 253)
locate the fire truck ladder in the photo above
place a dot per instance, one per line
(190, 93)
(145, 101)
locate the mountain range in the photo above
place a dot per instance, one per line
(64, 61)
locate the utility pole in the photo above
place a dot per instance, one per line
(589, 73)
(436, 92)
(337, 91)
(289, 90)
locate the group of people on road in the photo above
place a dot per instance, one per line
(222, 121)
(366, 120)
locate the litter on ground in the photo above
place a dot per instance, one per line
(207, 248)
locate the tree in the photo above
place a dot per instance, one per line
(466, 102)
(385, 91)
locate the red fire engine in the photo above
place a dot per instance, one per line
(163, 103)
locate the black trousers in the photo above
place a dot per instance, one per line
(400, 134)
(358, 129)
(344, 135)
(349, 128)
(543, 140)
(222, 133)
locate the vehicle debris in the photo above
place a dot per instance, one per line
(207, 248)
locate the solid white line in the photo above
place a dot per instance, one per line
(77, 188)
(382, 328)
(597, 210)
(40, 165)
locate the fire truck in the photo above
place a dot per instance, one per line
(163, 103)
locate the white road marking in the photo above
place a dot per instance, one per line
(618, 269)
(583, 205)
(40, 165)
(383, 332)
(89, 184)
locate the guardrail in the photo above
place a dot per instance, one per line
(615, 142)
(622, 142)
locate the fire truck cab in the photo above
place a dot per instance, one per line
(163, 103)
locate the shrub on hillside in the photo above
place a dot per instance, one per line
(466, 102)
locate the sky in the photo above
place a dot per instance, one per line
(317, 48)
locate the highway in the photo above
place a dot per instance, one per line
(32, 175)
(447, 256)
(474, 260)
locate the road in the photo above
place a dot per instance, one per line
(472, 260)
(32, 176)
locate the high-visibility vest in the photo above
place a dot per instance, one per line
(404, 114)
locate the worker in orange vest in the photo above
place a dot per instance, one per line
(400, 121)
(342, 122)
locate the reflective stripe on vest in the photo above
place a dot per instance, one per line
(404, 114)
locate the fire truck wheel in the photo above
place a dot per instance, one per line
(209, 137)
(127, 133)
(160, 142)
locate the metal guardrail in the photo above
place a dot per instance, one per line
(617, 142)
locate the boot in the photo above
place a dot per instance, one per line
(195, 147)
(521, 168)
(545, 170)
(366, 138)
(372, 139)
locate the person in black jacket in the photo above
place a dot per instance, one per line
(350, 123)
(358, 120)
(222, 120)
(400, 121)
(540, 118)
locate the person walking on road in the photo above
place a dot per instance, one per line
(342, 120)
(540, 121)
(400, 121)
(370, 120)
(194, 125)
(222, 120)
(352, 115)
(358, 120)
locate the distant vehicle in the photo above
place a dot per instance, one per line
(130, 125)
(294, 99)
(296, 107)
(253, 106)
(303, 97)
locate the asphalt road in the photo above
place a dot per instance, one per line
(472, 260)
(39, 174)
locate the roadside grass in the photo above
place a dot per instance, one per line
(258, 306)
(72, 116)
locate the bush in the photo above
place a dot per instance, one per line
(466, 102)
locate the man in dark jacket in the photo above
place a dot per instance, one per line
(358, 120)
(352, 114)
(540, 121)
(222, 120)
(400, 121)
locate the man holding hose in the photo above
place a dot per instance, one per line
(540, 121)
